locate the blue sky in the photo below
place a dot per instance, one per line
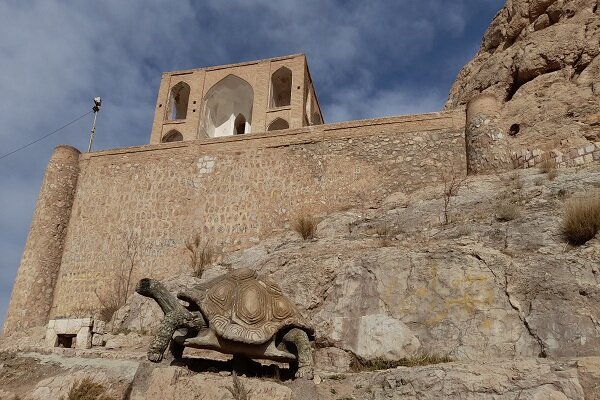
(367, 59)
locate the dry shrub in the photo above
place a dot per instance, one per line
(386, 233)
(581, 220)
(507, 212)
(358, 365)
(515, 180)
(120, 286)
(452, 184)
(552, 174)
(238, 391)
(202, 254)
(87, 389)
(305, 225)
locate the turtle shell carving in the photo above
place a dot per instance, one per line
(243, 307)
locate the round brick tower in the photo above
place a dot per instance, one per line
(487, 145)
(33, 291)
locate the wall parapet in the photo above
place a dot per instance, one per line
(454, 119)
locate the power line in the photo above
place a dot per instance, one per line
(45, 136)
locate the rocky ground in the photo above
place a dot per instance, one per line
(497, 290)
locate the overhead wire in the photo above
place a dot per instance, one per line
(45, 136)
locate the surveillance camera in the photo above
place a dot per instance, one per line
(97, 101)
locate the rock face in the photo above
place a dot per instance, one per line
(391, 282)
(541, 59)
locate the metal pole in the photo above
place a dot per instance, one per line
(96, 109)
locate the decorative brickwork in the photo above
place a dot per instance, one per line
(582, 155)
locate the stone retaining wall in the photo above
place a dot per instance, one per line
(237, 191)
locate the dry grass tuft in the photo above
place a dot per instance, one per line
(87, 389)
(238, 391)
(202, 254)
(306, 226)
(547, 166)
(581, 221)
(507, 212)
(414, 361)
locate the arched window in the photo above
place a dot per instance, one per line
(178, 101)
(224, 103)
(172, 136)
(239, 125)
(281, 87)
(278, 124)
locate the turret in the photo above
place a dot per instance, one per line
(33, 291)
(487, 146)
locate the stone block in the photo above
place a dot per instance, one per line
(590, 148)
(99, 327)
(588, 158)
(97, 339)
(581, 151)
(578, 161)
(51, 338)
(573, 153)
(596, 155)
(84, 338)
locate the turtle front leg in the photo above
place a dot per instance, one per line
(168, 326)
(299, 339)
(176, 316)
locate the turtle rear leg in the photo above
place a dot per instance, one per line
(299, 339)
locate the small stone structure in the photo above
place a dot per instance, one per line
(79, 333)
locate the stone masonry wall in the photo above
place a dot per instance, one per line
(527, 158)
(238, 190)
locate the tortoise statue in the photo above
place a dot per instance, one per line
(237, 313)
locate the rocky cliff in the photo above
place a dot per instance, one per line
(541, 59)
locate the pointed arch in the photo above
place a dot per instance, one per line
(278, 124)
(281, 87)
(179, 97)
(223, 104)
(172, 136)
(239, 126)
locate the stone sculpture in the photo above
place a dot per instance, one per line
(237, 313)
